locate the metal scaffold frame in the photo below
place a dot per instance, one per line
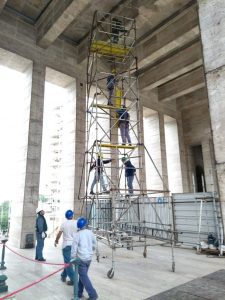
(121, 216)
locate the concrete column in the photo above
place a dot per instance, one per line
(23, 213)
(209, 165)
(141, 150)
(79, 144)
(183, 157)
(190, 170)
(163, 152)
(212, 27)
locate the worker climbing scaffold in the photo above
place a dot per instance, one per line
(119, 206)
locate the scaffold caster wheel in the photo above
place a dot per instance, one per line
(110, 273)
(173, 266)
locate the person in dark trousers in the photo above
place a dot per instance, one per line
(98, 165)
(117, 27)
(124, 122)
(110, 84)
(41, 228)
(130, 172)
(83, 246)
(67, 229)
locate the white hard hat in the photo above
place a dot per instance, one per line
(39, 209)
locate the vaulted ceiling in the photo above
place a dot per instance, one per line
(168, 36)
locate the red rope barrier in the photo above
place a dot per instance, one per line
(46, 263)
(31, 284)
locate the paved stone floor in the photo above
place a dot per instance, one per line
(210, 287)
(135, 277)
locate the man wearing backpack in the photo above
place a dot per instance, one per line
(124, 121)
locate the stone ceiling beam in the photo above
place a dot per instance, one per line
(192, 100)
(179, 31)
(172, 67)
(2, 4)
(56, 18)
(182, 85)
(147, 99)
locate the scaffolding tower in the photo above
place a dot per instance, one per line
(121, 216)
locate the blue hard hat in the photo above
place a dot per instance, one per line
(81, 222)
(69, 214)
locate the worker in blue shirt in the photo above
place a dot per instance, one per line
(130, 172)
(124, 123)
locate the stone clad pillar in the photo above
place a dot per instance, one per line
(79, 144)
(209, 168)
(23, 213)
(183, 157)
(163, 152)
(212, 27)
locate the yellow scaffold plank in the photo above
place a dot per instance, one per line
(105, 106)
(104, 48)
(117, 146)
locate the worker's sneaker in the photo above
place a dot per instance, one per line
(41, 259)
(69, 282)
(63, 279)
(92, 193)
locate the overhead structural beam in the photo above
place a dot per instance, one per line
(194, 99)
(56, 18)
(172, 67)
(149, 99)
(179, 31)
(182, 85)
(2, 4)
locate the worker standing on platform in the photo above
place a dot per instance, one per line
(67, 229)
(124, 122)
(98, 165)
(83, 246)
(117, 27)
(110, 84)
(41, 228)
(130, 172)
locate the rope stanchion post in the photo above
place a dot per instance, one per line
(3, 286)
(2, 266)
(75, 263)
